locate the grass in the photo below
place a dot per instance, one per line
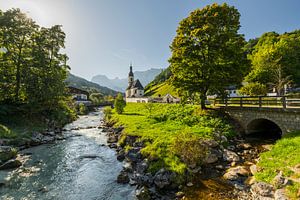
(19, 129)
(284, 156)
(169, 129)
(161, 89)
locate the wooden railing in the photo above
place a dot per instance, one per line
(260, 102)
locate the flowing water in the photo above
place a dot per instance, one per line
(80, 167)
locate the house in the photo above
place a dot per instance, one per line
(78, 94)
(168, 98)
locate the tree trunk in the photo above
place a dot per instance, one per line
(202, 101)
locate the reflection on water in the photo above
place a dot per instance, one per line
(78, 168)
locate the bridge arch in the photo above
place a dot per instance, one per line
(264, 127)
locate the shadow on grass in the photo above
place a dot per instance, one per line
(292, 134)
(136, 114)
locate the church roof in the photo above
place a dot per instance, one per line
(136, 84)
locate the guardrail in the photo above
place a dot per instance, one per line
(259, 101)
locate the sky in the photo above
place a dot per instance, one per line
(105, 36)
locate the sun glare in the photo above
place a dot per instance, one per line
(32, 9)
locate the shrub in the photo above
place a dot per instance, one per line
(119, 104)
(6, 133)
(82, 109)
(107, 113)
(254, 89)
(189, 148)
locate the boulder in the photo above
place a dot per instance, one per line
(230, 156)
(144, 179)
(244, 146)
(236, 173)
(112, 139)
(143, 193)
(133, 155)
(279, 181)
(280, 195)
(211, 143)
(210, 158)
(7, 153)
(261, 189)
(123, 177)
(121, 155)
(142, 167)
(254, 169)
(11, 164)
(162, 178)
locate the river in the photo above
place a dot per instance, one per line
(79, 167)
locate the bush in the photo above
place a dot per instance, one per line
(189, 148)
(82, 109)
(119, 104)
(254, 89)
(6, 132)
(107, 113)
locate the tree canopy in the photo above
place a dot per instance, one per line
(275, 60)
(207, 52)
(32, 67)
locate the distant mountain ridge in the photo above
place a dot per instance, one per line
(118, 84)
(81, 83)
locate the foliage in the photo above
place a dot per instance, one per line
(166, 124)
(149, 107)
(107, 113)
(119, 103)
(89, 86)
(161, 90)
(284, 156)
(5, 132)
(160, 78)
(254, 89)
(207, 51)
(189, 148)
(82, 109)
(32, 73)
(276, 60)
(97, 98)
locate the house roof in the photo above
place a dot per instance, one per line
(136, 84)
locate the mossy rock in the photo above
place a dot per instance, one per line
(6, 132)
(7, 153)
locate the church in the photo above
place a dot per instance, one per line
(135, 90)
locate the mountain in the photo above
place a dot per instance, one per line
(117, 84)
(89, 86)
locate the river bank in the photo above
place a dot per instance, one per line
(81, 166)
(226, 172)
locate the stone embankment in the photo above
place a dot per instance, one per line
(235, 164)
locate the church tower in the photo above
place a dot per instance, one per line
(130, 82)
(130, 76)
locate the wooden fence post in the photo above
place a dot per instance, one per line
(241, 101)
(260, 101)
(284, 102)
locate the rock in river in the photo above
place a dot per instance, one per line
(11, 164)
(230, 156)
(123, 177)
(7, 153)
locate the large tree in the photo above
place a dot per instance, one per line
(32, 67)
(207, 51)
(276, 60)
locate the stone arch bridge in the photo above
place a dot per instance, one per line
(258, 114)
(258, 119)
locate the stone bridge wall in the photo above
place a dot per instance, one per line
(286, 119)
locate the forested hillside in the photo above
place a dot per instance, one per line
(89, 86)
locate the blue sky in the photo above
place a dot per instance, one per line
(104, 36)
